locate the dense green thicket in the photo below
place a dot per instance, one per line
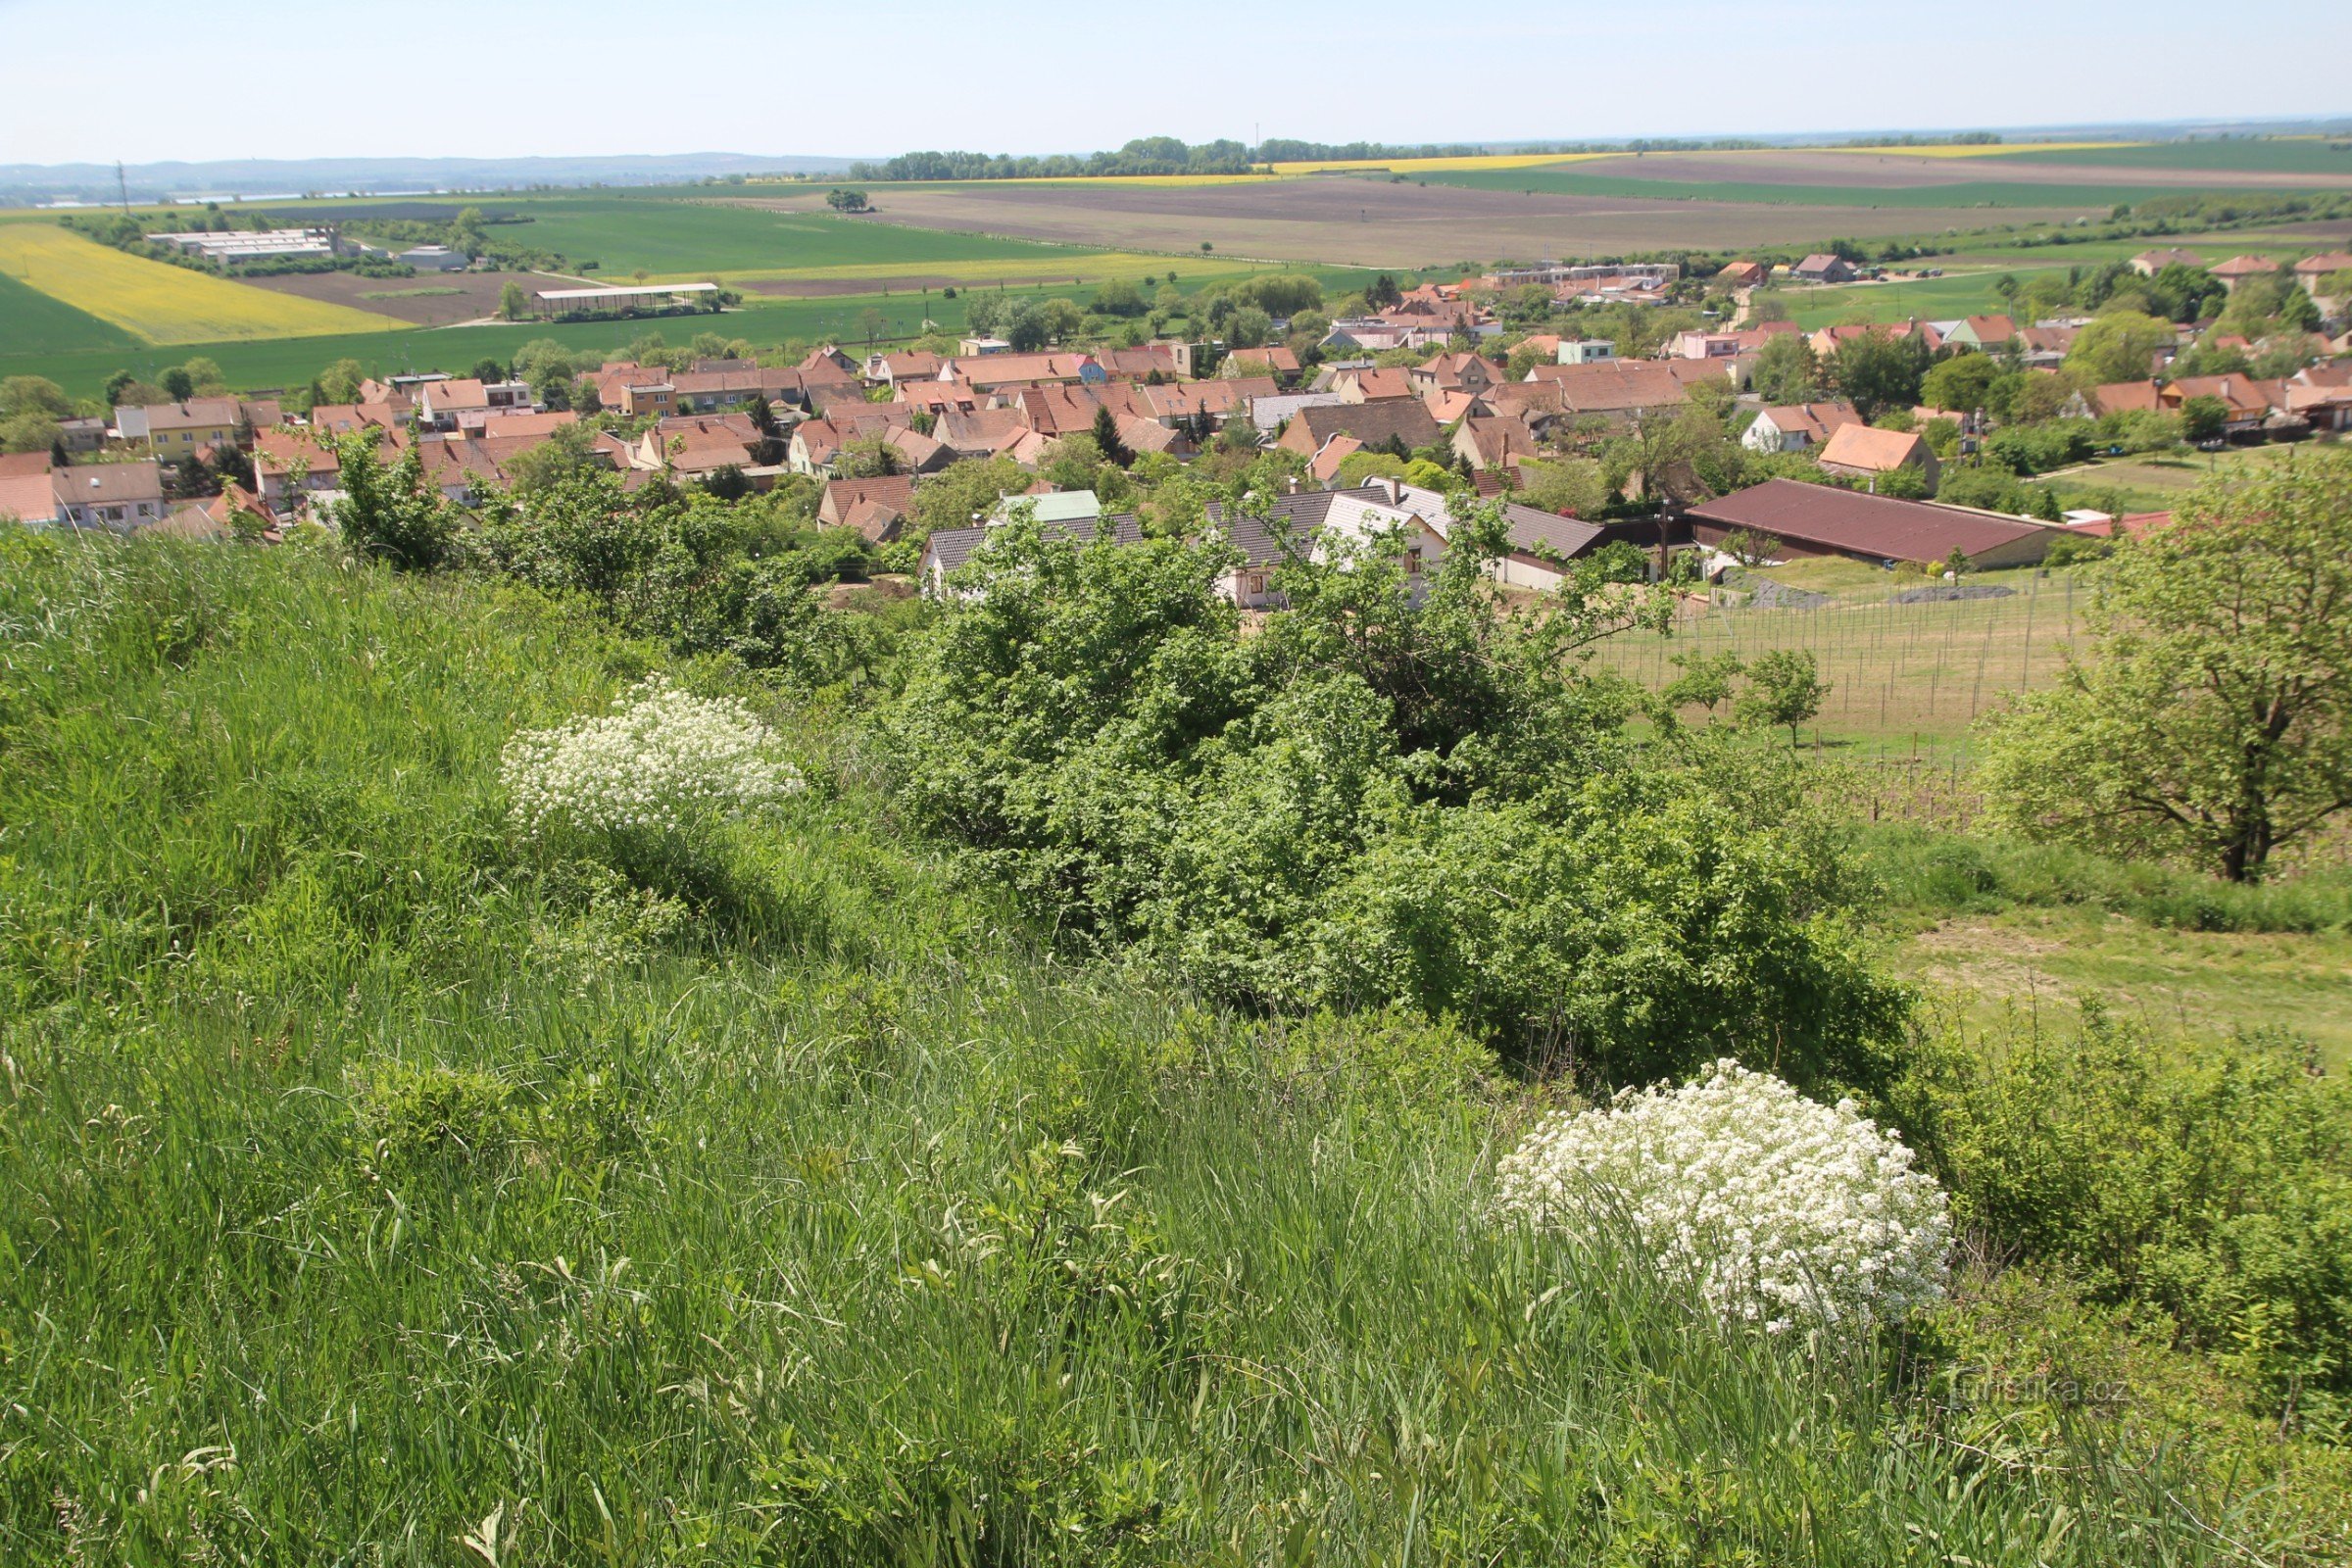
(378, 1180)
(2211, 1181)
(1397, 791)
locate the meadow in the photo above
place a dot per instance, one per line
(159, 303)
(387, 1189)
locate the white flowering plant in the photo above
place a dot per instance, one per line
(664, 763)
(1776, 1208)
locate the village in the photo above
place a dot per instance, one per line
(1406, 412)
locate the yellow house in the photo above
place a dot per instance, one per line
(173, 430)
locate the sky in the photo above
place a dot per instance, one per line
(143, 80)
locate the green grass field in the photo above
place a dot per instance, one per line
(623, 233)
(1933, 299)
(34, 322)
(2300, 155)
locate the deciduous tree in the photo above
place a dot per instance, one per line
(2211, 719)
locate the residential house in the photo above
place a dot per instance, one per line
(2321, 395)
(352, 418)
(949, 549)
(827, 357)
(731, 384)
(1743, 274)
(289, 467)
(935, 398)
(466, 404)
(1268, 413)
(1292, 526)
(1704, 345)
(1363, 386)
(697, 445)
(1796, 426)
(1585, 351)
(84, 434)
(1324, 467)
(982, 432)
(1453, 372)
(877, 508)
(2148, 264)
(2237, 268)
(1276, 361)
(2045, 348)
(1145, 361)
(817, 444)
(1494, 442)
(2312, 272)
(176, 430)
(2122, 397)
(1187, 404)
(121, 495)
(1621, 389)
(984, 371)
(910, 365)
(1864, 452)
(1450, 409)
(1821, 268)
(29, 495)
(1813, 519)
(1987, 334)
(527, 427)
(2249, 402)
(1377, 424)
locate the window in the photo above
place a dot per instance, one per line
(1257, 583)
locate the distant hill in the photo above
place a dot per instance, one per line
(272, 176)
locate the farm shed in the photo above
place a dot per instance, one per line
(1812, 519)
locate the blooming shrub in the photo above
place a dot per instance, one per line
(1775, 1206)
(664, 762)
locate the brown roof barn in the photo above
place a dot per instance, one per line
(1814, 519)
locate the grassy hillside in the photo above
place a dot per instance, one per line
(378, 1182)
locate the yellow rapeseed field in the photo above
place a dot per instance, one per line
(162, 303)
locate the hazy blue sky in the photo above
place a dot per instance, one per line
(143, 79)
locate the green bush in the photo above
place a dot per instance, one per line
(1395, 793)
(2210, 1180)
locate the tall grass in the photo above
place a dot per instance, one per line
(372, 1187)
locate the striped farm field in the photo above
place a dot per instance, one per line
(159, 303)
(1988, 150)
(1431, 166)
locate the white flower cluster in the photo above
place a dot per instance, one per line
(662, 761)
(1775, 1206)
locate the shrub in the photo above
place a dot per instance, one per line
(662, 763)
(1775, 1206)
(2213, 1180)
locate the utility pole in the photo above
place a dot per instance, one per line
(122, 184)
